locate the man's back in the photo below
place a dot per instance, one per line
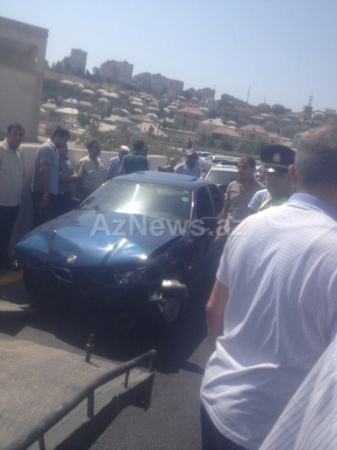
(280, 313)
(134, 162)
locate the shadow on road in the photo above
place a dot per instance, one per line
(174, 345)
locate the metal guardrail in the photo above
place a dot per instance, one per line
(37, 433)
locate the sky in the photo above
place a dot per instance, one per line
(278, 51)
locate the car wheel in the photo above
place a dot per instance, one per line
(168, 309)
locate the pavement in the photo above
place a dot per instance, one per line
(10, 302)
(36, 380)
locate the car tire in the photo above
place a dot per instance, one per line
(167, 311)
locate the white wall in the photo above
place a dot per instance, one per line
(25, 217)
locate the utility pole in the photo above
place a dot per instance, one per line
(248, 94)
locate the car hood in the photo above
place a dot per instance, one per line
(91, 239)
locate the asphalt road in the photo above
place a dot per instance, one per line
(172, 421)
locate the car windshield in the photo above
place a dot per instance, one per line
(221, 177)
(154, 200)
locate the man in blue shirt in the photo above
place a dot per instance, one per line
(67, 175)
(45, 187)
(190, 166)
(115, 162)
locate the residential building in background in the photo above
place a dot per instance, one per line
(142, 81)
(116, 71)
(22, 64)
(78, 61)
(175, 87)
(188, 118)
(207, 93)
(228, 136)
(157, 83)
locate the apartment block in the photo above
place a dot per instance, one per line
(77, 61)
(116, 71)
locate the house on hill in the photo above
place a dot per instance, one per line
(188, 118)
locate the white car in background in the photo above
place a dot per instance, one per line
(213, 160)
(222, 175)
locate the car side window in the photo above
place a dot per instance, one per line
(217, 197)
(204, 203)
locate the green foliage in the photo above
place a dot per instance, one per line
(84, 119)
(57, 91)
(252, 148)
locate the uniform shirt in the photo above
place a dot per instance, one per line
(280, 268)
(239, 199)
(12, 170)
(92, 175)
(113, 167)
(47, 153)
(309, 420)
(66, 168)
(185, 170)
(133, 162)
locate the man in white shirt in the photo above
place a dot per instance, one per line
(91, 171)
(273, 309)
(12, 170)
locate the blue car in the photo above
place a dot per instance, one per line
(140, 242)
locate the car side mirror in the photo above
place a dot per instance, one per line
(209, 222)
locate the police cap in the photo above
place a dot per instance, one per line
(277, 158)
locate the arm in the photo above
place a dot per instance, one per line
(222, 218)
(121, 170)
(68, 178)
(215, 312)
(79, 179)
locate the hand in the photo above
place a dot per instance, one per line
(63, 178)
(44, 201)
(220, 233)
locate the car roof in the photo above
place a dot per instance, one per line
(223, 168)
(169, 179)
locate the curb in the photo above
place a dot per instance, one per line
(14, 309)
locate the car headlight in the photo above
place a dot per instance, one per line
(133, 277)
(31, 263)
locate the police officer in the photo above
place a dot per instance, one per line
(276, 160)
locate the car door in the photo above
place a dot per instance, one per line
(202, 255)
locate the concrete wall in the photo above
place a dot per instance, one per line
(24, 220)
(22, 57)
(180, 135)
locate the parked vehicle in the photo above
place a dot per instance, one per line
(138, 243)
(74, 127)
(204, 154)
(222, 175)
(210, 161)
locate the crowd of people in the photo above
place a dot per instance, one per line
(57, 186)
(272, 312)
